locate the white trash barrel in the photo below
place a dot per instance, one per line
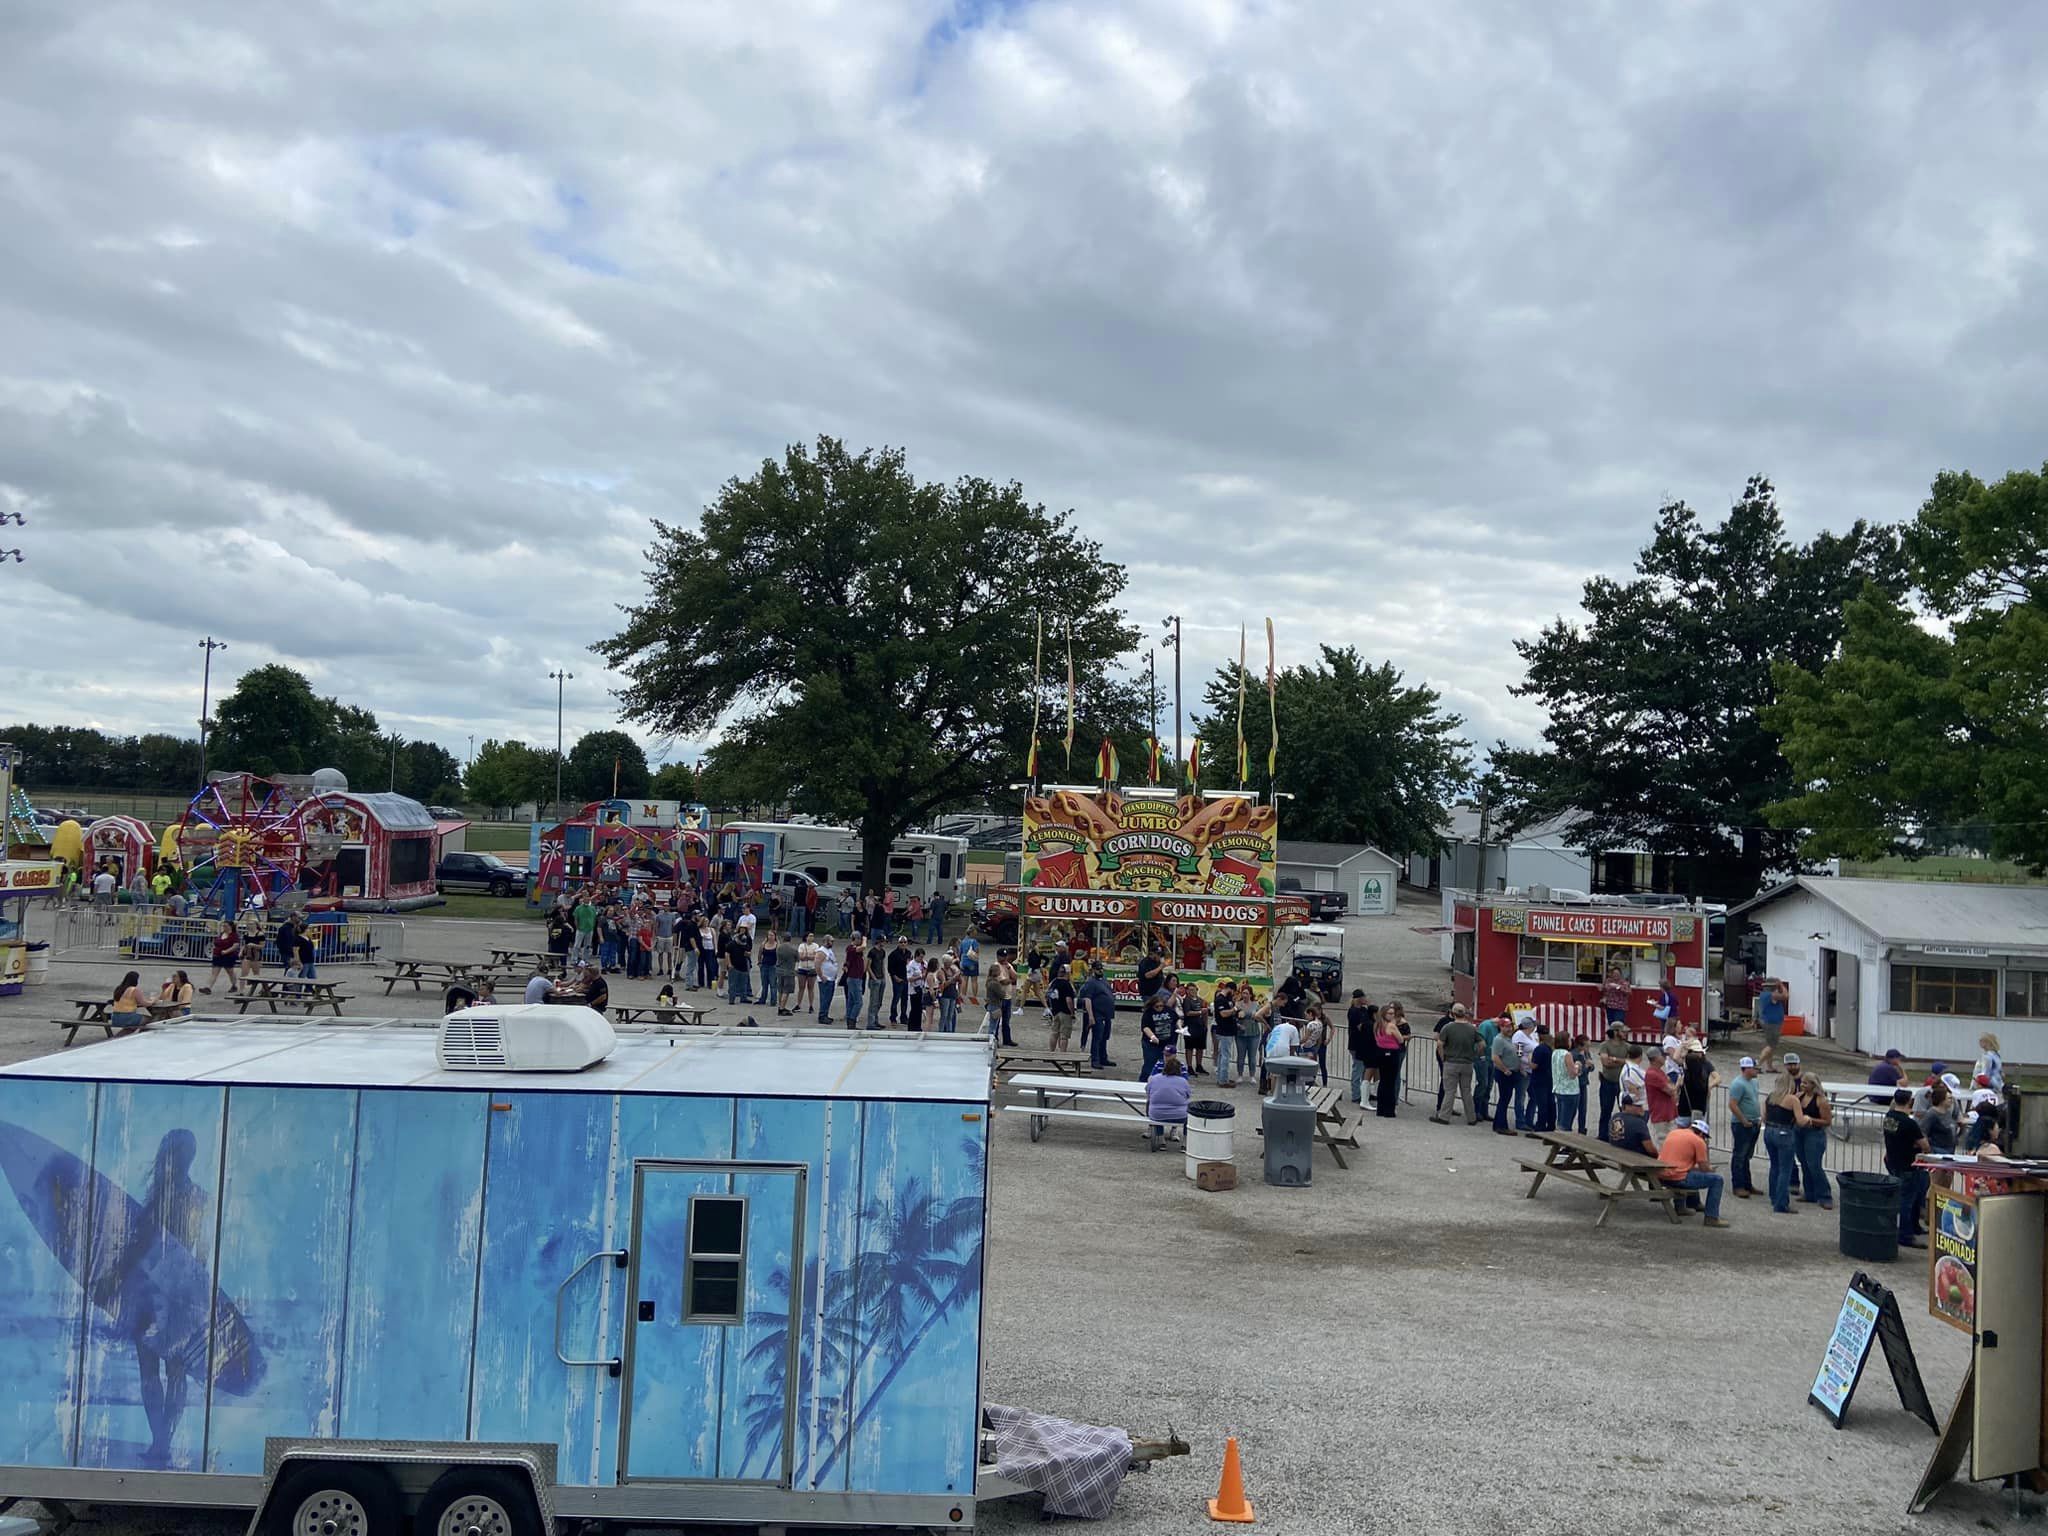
(1210, 1122)
(37, 970)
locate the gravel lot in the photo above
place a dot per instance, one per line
(1407, 1345)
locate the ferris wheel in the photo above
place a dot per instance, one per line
(250, 833)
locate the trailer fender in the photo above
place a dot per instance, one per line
(411, 1466)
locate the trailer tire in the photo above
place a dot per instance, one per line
(478, 1501)
(334, 1498)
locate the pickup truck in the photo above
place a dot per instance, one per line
(1323, 906)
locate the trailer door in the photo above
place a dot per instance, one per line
(713, 1323)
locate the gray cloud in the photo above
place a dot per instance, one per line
(371, 339)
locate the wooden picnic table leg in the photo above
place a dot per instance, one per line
(1607, 1199)
(1549, 1162)
(1330, 1141)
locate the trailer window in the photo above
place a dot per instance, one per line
(816, 872)
(945, 866)
(714, 1279)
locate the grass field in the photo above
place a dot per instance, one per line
(483, 906)
(1989, 871)
(496, 836)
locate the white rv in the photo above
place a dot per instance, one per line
(921, 864)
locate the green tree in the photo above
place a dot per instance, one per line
(1930, 729)
(509, 773)
(429, 772)
(588, 773)
(1658, 702)
(673, 781)
(1367, 758)
(873, 635)
(272, 723)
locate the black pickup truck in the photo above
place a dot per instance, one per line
(1323, 906)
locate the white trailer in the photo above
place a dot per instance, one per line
(921, 864)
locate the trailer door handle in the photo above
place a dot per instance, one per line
(613, 1365)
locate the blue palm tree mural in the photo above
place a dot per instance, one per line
(920, 1261)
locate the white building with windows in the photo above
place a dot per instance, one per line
(1926, 966)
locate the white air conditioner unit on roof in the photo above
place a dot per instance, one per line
(523, 1037)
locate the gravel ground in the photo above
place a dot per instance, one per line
(1406, 1345)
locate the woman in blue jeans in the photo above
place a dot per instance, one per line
(1814, 1115)
(1782, 1115)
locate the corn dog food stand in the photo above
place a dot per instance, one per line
(1112, 874)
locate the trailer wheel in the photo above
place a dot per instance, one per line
(478, 1501)
(336, 1498)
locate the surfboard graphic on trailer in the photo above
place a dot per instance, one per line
(132, 1260)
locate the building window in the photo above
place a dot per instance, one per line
(1542, 960)
(2026, 994)
(1960, 990)
(714, 1269)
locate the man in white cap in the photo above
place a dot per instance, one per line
(1746, 1119)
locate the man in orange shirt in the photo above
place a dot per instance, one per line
(1685, 1157)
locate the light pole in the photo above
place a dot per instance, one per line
(1152, 694)
(561, 678)
(472, 751)
(394, 762)
(1172, 623)
(208, 645)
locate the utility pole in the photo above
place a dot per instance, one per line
(394, 762)
(208, 645)
(560, 678)
(1172, 622)
(472, 751)
(1152, 690)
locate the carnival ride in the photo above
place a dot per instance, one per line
(592, 846)
(242, 835)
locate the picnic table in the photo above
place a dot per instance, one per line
(664, 1015)
(292, 991)
(1581, 1160)
(530, 960)
(1056, 1095)
(1328, 1103)
(1064, 1063)
(442, 973)
(1856, 1101)
(100, 1011)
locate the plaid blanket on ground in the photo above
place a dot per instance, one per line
(1078, 1467)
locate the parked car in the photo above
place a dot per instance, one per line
(1323, 906)
(481, 874)
(444, 813)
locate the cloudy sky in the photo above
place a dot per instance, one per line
(368, 334)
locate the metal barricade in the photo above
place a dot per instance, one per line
(154, 933)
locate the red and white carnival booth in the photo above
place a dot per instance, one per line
(371, 853)
(122, 841)
(1510, 952)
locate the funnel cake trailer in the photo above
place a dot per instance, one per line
(325, 1274)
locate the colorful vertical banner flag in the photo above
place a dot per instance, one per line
(1152, 760)
(1106, 765)
(1070, 695)
(1243, 762)
(1195, 765)
(1037, 675)
(1272, 707)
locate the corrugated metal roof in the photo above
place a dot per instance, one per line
(2002, 918)
(399, 1053)
(397, 813)
(1326, 855)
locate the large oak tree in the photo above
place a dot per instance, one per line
(1659, 735)
(1930, 730)
(862, 641)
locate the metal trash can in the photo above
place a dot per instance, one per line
(1870, 1216)
(1210, 1122)
(1289, 1122)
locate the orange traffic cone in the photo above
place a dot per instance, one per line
(1230, 1502)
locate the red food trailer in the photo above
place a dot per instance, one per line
(1511, 952)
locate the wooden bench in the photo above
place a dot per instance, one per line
(100, 1011)
(1580, 1161)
